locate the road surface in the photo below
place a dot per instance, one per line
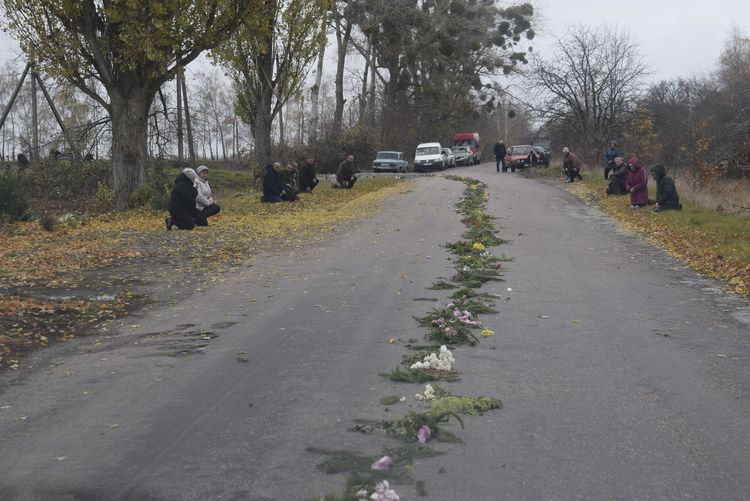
(623, 374)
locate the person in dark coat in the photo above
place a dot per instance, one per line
(500, 153)
(571, 165)
(637, 184)
(609, 158)
(289, 182)
(307, 178)
(182, 210)
(272, 187)
(666, 192)
(345, 173)
(616, 182)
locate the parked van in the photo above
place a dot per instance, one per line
(470, 140)
(429, 156)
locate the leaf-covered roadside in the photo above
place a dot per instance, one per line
(101, 259)
(711, 242)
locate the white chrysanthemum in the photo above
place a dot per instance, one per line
(442, 361)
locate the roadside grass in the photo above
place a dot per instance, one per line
(714, 243)
(112, 252)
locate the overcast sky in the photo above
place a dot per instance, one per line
(678, 38)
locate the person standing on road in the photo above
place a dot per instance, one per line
(500, 153)
(609, 158)
(182, 207)
(345, 173)
(571, 165)
(204, 200)
(666, 192)
(307, 178)
(637, 184)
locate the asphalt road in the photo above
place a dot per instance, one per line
(624, 375)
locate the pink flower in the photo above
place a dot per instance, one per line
(450, 331)
(423, 434)
(382, 464)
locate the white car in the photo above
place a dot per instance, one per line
(392, 161)
(429, 156)
(450, 158)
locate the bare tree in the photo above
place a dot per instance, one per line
(590, 85)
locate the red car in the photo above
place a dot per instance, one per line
(520, 156)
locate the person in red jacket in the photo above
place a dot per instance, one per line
(571, 165)
(637, 184)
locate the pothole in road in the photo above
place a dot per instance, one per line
(175, 344)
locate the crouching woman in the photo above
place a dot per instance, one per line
(204, 200)
(182, 207)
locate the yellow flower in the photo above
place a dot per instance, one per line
(478, 246)
(474, 186)
(487, 332)
(485, 196)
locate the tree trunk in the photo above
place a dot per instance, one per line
(262, 127)
(129, 116)
(373, 83)
(315, 90)
(343, 34)
(220, 128)
(363, 93)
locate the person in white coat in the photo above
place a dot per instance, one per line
(204, 200)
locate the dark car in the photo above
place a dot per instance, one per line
(391, 161)
(520, 156)
(541, 156)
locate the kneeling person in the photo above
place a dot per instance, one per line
(666, 192)
(182, 206)
(345, 174)
(204, 200)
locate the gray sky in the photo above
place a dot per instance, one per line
(678, 38)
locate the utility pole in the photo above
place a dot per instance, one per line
(188, 123)
(180, 155)
(34, 120)
(505, 121)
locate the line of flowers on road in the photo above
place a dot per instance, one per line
(447, 327)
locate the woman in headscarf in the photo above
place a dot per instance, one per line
(182, 210)
(204, 201)
(637, 184)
